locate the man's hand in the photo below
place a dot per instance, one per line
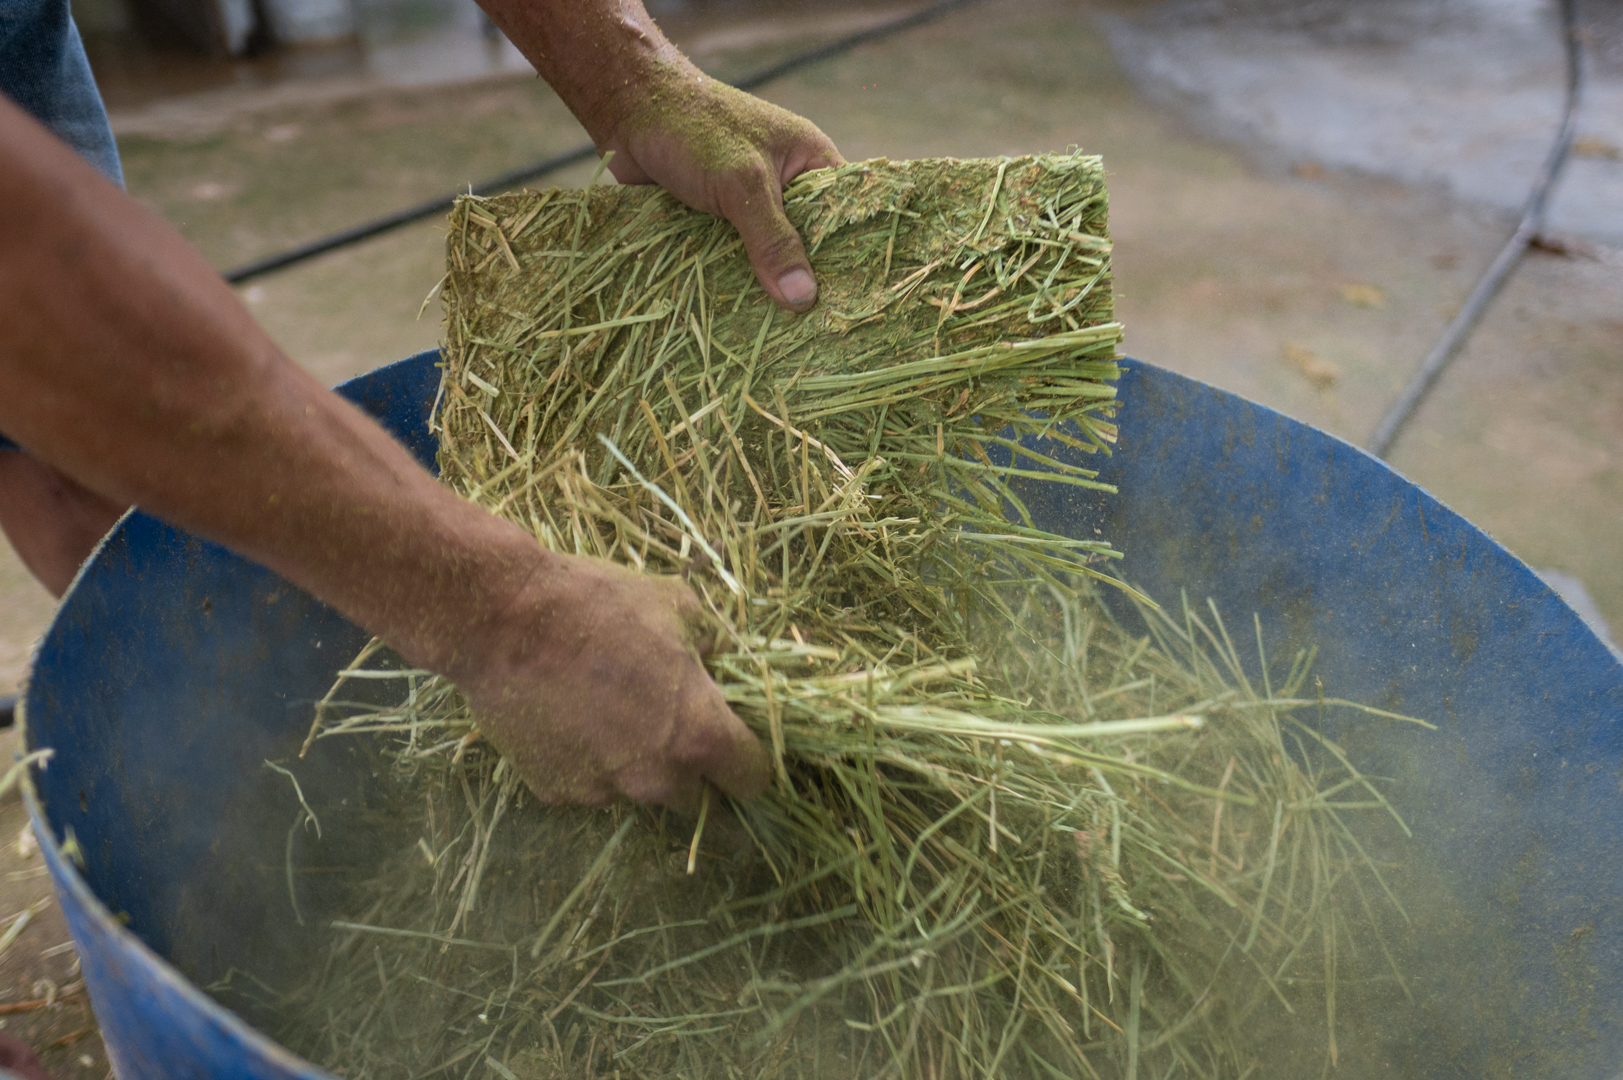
(727, 153)
(717, 149)
(591, 684)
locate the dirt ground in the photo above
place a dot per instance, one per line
(1311, 290)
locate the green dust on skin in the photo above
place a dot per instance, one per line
(724, 127)
(1006, 835)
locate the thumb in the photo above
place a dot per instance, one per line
(754, 204)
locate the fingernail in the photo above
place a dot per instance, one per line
(798, 287)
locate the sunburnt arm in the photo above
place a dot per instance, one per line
(126, 363)
(716, 148)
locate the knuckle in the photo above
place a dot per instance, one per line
(749, 192)
(783, 244)
(749, 176)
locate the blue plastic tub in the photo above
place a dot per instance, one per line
(175, 668)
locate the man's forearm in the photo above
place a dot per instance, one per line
(127, 363)
(596, 54)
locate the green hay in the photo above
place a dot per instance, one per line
(1000, 841)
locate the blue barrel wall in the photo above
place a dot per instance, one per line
(175, 669)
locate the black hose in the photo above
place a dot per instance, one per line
(429, 208)
(8, 711)
(441, 204)
(1499, 271)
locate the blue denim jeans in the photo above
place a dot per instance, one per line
(44, 70)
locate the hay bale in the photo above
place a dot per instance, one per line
(612, 333)
(999, 841)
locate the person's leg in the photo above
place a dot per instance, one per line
(52, 522)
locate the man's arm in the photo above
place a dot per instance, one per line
(717, 149)
(126, 363)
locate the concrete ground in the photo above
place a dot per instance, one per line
(1265, 262)
(1461, 96)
